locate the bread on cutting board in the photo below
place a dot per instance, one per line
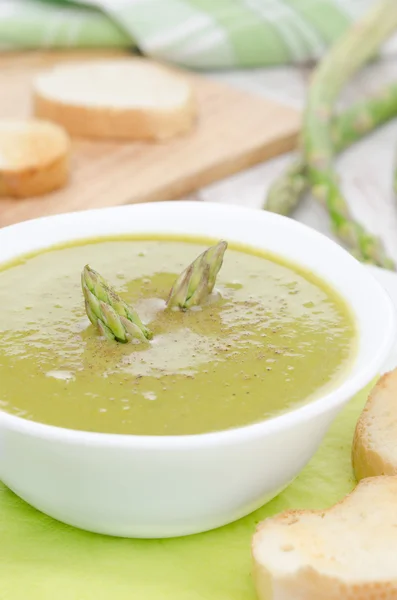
(348, 552)
(375, 439)
(34, 158)
(129, 98)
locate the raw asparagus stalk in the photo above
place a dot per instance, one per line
(353, 50)
(195, 284)
(347, 128)
(108, 312)
(286, 191)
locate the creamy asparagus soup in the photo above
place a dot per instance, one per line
(262, 339)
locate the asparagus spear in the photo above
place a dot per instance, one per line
(108, 312)
(347, 128)
(286, 191)
(355, 48)
(197, 281)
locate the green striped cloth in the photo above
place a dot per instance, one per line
(195, 33)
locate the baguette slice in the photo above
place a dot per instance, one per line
(348, 552)
(34, 158)
(134, 99)
(375, 439)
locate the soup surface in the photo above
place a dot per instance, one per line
(275, 339)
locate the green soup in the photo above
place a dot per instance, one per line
(275, 339)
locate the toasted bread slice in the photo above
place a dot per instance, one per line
(375, 439)
(348, 552)
(34, 158)
(134, 99)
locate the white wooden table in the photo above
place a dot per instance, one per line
(366, 169)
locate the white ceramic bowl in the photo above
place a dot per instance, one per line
(142, 486)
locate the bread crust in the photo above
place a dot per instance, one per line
(149, 123)
(35, 157)
(308, 583)
(368, 460)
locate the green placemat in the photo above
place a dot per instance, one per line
(41, 559)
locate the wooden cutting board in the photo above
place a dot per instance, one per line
(234, 131)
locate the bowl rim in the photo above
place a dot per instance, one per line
(331, 400)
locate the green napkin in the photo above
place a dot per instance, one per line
(195, 33)
(41, 559)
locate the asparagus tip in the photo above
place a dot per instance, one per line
(106, 310)
(197, 281)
